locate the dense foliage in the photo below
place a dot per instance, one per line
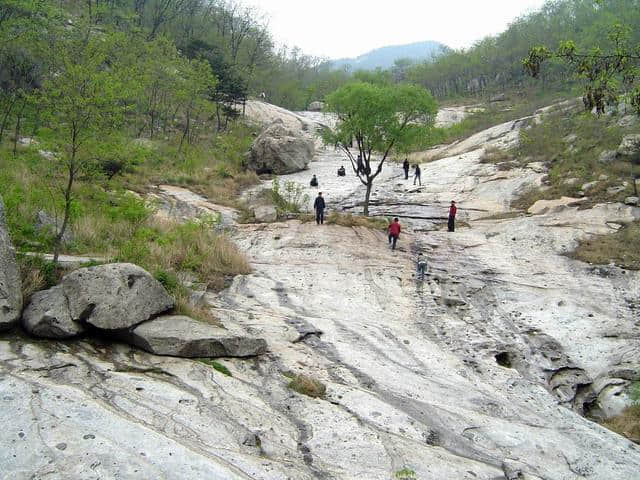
(494, 64)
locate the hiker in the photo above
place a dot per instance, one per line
(360, 164)
(263, 96)
(342, 172)
(318, 206)
(452, 216)
(421, 266)
(394, 232)
(416, 174)
(314, 181)
(405, 167)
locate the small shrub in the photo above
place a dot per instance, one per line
(289, 197)
(405, 474)
(308, 386)
(216, 366)
(350, 220)
(495, 155)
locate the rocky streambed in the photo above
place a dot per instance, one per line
(484, 370)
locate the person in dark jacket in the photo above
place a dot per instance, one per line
(394, 232)
(314, 181)
(341, 171)
(360, 164)
(452, 216)
(405, 167)
(416, 174)
(421, 266)
(319, 206)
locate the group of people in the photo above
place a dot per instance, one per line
(416, 172)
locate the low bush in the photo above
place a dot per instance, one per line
(620, 248)
(308, 386)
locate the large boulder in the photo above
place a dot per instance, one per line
(630, 146)
(47, 225)
(181, 336)
(47, 315)
(265, 214)
(10, 283)
(114, 296)
(280, 150)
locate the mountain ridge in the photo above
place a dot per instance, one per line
(384, 57)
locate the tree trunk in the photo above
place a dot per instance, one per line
(5, 120)
(367, 196)
(17, 130)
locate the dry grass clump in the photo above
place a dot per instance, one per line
(308, 386)
(350, 220)
(627, 423)
(620, 248)
(495, 155)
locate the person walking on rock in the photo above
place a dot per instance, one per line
(394, 232)
(452, 216)
(405, 167)
(318, 206)
(421, 266)
(416, 174)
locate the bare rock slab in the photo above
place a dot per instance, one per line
(48, 316)
(181, 336)
(10, 283)
(114, 296)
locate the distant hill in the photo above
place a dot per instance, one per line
(385, 56)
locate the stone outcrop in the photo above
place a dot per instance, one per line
(181, 336)
(114, 296)
(280, 150)
(47, 315)
(10, 282)
(630, 146)
(265, 214)
(47, 225)
(316, 106)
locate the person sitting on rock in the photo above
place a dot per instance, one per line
(421, 266)
(314, 181)
(394, 232)
(342, 172)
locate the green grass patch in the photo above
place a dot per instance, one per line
(216, 366)
(405, 474)
(620, 248)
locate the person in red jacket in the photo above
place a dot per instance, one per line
(394, 232)
(452, 216)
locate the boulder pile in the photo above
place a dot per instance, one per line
(124, 301)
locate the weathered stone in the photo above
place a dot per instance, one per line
(265, 214)
(603, 177)
(316, 106)
(114, 296)
(544, 206)
(47, 315)
(500, 97)
(181, 336)
(572, 137)
(589, 185)
(627, 121)
(10, 283)
(633, 201)
(280, 150)
(47, 225)
(630, 145)
(616, 190)
(607, 156)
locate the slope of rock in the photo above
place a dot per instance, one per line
(10, 283)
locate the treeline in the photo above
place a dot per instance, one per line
(494, 64)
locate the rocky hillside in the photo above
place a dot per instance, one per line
(487, 369)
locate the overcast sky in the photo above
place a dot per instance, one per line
(348, 28)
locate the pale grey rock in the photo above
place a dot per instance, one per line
(500, 97)
(630, 145)
(572, 137)
(265, 213)
(316, 106)
(10, 282)
(280, 150)
(589, 185)
(627, 121)
(181, 336)
(607, 156)
(47, 315)
(114, 296)
(631, 201)
(570, 181)
(603, 177)
(48, 225)
(616, 190)
(47, 155)
(27, 141)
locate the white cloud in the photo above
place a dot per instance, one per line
(347, 28)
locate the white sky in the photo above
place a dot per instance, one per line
(348, 28)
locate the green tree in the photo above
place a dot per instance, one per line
(380, 119)
(83, 105)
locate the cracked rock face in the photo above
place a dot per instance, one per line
(10, 283)
(48, 316)
(114, 296)
(182, 336)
